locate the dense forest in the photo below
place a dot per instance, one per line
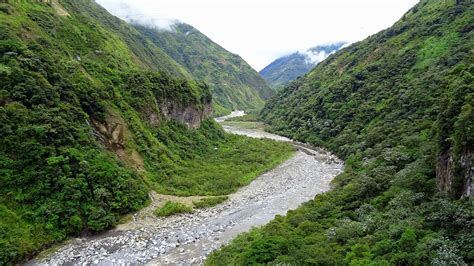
(398, 108)
(93, 115)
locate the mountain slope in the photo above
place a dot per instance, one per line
(143, 53)
(235, 84)
(88, 126)
(398, 107)
(286, 69)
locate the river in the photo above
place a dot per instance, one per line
(187, 239)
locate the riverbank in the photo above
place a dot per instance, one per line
(189, 238)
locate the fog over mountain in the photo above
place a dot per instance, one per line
(262, 30)
(287, 68)
(125, 11)
(234, 83)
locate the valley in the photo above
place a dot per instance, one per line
(119, 146)
(189, 238)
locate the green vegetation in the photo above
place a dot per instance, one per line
(396, 107)
(171, 207)
(209, 202)
(235, 84)
(248, 121)
(90, 122)
(215, 163)
(103, 35)
(244, 118)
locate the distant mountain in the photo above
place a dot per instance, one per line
(285, 69)
(235, 84)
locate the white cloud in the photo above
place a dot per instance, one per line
(315, 57)
(262, 30)
(127, 11)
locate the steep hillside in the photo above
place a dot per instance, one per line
(234, 83)
(286, 69)
(398, 107)
(142, 52)
(88, 126)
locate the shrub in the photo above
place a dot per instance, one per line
(171, 208)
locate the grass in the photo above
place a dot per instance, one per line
(171, 208)
(225, 167)
(125, 219)
(248, 121)
(209, 202)
(245, 118)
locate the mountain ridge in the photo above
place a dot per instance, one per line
(398, 108)
(236, 85)
(289, 67)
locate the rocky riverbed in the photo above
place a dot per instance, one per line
(187, 239)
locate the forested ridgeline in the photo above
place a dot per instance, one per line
(398, 108)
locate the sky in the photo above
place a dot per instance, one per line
(260, 31)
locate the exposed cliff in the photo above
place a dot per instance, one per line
(455, 137)
(115, 135)
(192, 116)
(454, 174)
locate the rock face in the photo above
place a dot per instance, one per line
(54, 3)
(113, 133)
(455, 176)
(192, 115)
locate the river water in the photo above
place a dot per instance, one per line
(187, 239)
